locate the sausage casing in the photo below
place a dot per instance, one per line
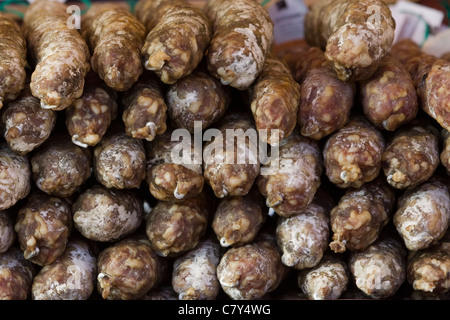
(13, 57)
(178, 35)
(70, 277)
(290, 185)
(15, 177)
(60, 53)
(106, 214)
(115, 38)
(43, 226)
(242, 37)
(89, 117)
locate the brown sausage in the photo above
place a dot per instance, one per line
(169, 178)
(128, 269)
(389, 98)
(251, 271)
(119, 160)
(275, 99)
(242, 38)
(15, 177)
(326, 101)
(145, 110)
(115, 38)
(60, 54)
(231, 161)
(70, 277)
(237, 220)
(24, 124)
(430, 77)
(423, 214)
(106, 214)
(355, 34)
(360, 216)
(303, 238)
(60, 167)
(13, 57)
(178, 36)
(427, 269)
(197, 97)
(43, 226)
(379, 270)
(7, 233)
(293, 177)
(89, 117)
(352, 155)
(412, 156)
(404, 49)
(327, 280)
(16, 275)
(176, 227)
(194, 273)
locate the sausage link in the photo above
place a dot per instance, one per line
(433, 87)
(178, 36)
(119, 160)
(303, 238)
(103, 214)
(412, 156)
(60, 54)
(389, 98)
(427, 270)
(15, 177)
(403, 50)
(327, 280)
(352, 155)
(430, 77)
(356, 35)
(16, 275)
(24, 124)
(231, 162)
(242, 38)
(169, 179)
(13, 57)
(379, 270)
(89, 117)
(296, 57)
(194, 273)
(145, 110)
(115, 38)
(197, 97)
(361, 215)
(176, 227)
(7, 234)
(326, 101)
(70, 277)
(293, 177)
(128, 269)
(60, 167)
(251, 271)
(275, 97)
(237, 220)
(423, 214)
(43, 226)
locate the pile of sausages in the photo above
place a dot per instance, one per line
(353, 201)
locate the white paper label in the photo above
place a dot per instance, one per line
(288, 17)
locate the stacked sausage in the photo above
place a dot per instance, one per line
(134, 157)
